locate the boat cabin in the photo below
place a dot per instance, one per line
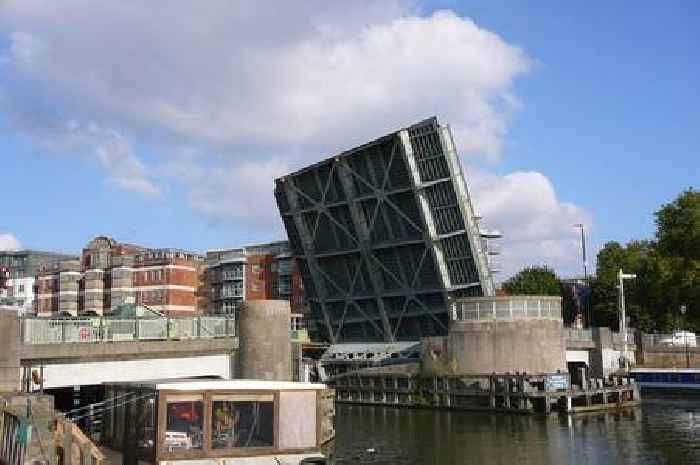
(159, 421)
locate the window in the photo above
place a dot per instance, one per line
(242, 421)
(284, 285)
(285, 266)
(234, 289)
(229, 307)
(185, 421)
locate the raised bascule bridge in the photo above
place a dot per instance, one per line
(391, 251)
(386, 237)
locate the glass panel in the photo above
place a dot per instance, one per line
(242, 423)
(185, 421)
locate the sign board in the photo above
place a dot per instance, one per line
(556, 382)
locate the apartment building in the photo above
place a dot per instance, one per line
(264, 271)
(109, 274)
(19, 268)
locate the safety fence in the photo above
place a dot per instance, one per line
(56, 331)
(680, 340)
(575, 334)
(507, 308)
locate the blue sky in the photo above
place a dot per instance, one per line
(579, 112)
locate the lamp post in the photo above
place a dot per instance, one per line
(683, 309)
(587, 307)
(623, 316)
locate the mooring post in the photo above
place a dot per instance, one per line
(509, 386)
(67, 442)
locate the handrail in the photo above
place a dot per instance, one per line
(103, 329)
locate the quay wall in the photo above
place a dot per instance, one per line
(669, 357)
(532, 346)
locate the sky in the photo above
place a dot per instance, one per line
(166, 126)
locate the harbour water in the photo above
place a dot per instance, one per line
(663, 430)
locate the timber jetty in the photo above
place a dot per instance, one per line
(511, 393)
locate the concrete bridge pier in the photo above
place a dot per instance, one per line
(10, 367)
(265, 346)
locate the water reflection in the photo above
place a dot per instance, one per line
(661, 431)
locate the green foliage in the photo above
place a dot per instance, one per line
(541, 280)
(678, 226)
(535, 280)
(667, 272)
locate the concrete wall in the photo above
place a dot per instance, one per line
(265, 345)
(668, 356)
(606, 357)
(533, 346)
(10, 371)
(91, 373)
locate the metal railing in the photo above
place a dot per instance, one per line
(574, 334)
(57, 331)
(507, 308)
(13, 438)
(618, 338)
(673, 340)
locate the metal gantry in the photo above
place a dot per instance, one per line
(386, 235)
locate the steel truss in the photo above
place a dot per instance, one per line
(385, 235)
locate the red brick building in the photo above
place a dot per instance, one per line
(110, 274)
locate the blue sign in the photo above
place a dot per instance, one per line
(556, 382)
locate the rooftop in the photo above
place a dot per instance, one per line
(223, 385)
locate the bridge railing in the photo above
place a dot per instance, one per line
(507, 308)
(576, 334)
(678, 340)
(87, 330)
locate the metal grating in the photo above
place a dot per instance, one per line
(385, 236)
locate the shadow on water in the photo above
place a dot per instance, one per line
(663, 430)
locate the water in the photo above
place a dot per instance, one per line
(663, 430)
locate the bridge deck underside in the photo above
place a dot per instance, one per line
(381, 238)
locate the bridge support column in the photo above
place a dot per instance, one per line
(10, 371)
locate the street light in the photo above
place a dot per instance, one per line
(587, 308)
(683, 309)
(623, 317)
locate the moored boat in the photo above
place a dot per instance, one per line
(667, 378)
(220, 421)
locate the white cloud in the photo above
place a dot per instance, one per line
(537, 226)
(208, 73)
(262, 88)
(241, 191)
(9, 242)
(25, 48)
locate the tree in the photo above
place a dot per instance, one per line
(668, 272)
(541, 280)
(678, 236)
(678, 226)
(534, 280)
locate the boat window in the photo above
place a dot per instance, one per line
(242, 421)
(185, 421)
